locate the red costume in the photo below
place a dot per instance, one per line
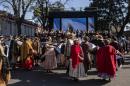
(76, 51)
(28, 64)
(106, 61)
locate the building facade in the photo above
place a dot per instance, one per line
(8, 26)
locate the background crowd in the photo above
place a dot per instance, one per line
(76, 51)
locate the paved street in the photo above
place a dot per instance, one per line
(38, 77)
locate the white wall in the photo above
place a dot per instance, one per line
(8, 27)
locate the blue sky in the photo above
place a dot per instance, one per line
(72, 3)
(78, 3)
(75, 3)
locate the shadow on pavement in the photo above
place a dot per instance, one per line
(92, 72)
(125, 67)
(39, 77)
(127, 63)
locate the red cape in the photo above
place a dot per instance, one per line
(75, 51)
(106, 60)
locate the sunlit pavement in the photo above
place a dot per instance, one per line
(39, 77)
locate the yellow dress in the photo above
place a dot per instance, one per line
(2, 82)
(26, 46)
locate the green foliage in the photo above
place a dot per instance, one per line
(110, 12)
(43, 7)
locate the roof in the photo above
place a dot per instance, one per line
(72, 14)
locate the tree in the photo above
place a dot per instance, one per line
(43, 7)
(19, 8)
(110, 12)
(126, 19)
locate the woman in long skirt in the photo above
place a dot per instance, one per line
(4, 67)
(106, 61)
(50, 61)
(87, 56)
(76, 64)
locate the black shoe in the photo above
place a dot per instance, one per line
(103, 79)
(36, 65)
(109, 79)
(76, 80)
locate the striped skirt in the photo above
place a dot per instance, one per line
(50, 62)
(78, 72)
(60, 59)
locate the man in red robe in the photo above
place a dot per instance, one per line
(106, 61)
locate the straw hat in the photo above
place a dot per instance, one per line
(49, 45)
(1, 37)
(86, 38)
(99, 37)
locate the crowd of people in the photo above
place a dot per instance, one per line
(77, 52)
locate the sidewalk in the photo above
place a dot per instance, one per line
(38, 77)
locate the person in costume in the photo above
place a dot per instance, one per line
(76, 62)
(87, 56)
(5, 75)
(14, 52)
(25, 50)
(119, 55)
(106, 61)
(36, 46)
(49, 56)
(67, 51)
(28, 64)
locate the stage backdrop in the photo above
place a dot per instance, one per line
(91, 24)
(77, 23)
(56, 23)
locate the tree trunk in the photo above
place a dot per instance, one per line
(43, 25)
(123, 26)
(19, 27)
(125, 21)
